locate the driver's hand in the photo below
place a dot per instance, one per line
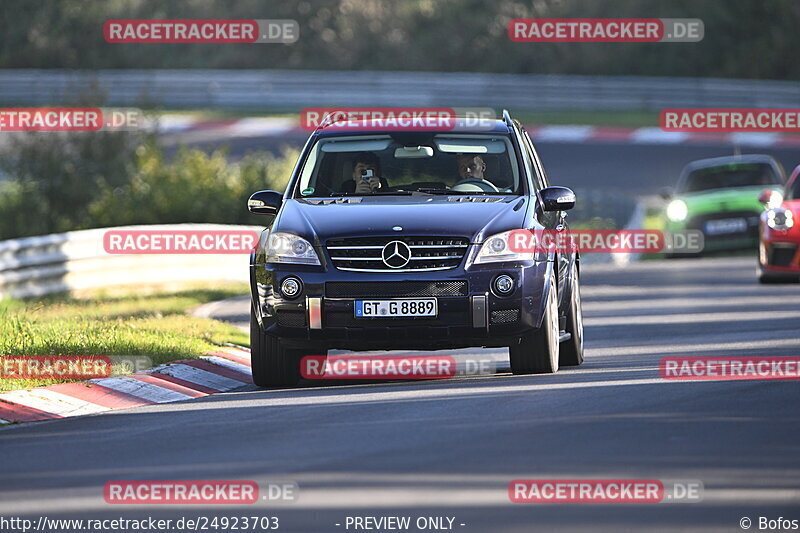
(368, 186)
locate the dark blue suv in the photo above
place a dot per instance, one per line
(400, 240)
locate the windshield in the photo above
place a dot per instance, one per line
(730, 176)
(399, 163)
(793, 190)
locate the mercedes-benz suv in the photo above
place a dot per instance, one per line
(399, 239)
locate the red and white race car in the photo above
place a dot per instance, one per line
(779, 233)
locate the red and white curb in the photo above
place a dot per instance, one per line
(279, 126)
(220, 371)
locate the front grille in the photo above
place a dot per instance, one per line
(291, 318)
(427, 253)
(781, 254)
(505, 316)
(378, 289)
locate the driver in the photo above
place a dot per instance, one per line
(470, 166)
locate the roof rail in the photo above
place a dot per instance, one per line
(327, 119)
(507, 118)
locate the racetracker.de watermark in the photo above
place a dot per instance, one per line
(606, 30)
(637, 241)
(605, 491)
(729, 368)
(201, 31)
(201, 492)
(397, 118)
(49, 119)
(71, 366)
(392, 367)
(116, 241)
(731, 119)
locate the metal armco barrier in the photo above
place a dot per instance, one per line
(35, 266)
(295, 89)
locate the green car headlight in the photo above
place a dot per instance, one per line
(677, 211)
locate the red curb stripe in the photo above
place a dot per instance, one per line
(611, 134)
(21, 413)
(97, 394)
(180, 385)
(220, 370)
(212, 124)
(241, 359)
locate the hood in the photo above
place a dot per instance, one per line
(474, 217)
(735, 199)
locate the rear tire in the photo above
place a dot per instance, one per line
(571, 351)
(272, 364)
(537, 351)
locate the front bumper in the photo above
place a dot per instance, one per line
(472, 315)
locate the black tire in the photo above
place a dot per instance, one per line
(537, 351)
(571, 351)
(272, 365)
(771, 279)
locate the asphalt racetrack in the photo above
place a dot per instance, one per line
(449, 448)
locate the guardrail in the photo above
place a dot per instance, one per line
(295, 89)
(36, 266)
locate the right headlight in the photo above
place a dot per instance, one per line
(781, 219)
(677, 210)
(496, 249)
(285, 247)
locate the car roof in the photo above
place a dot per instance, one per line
(727, 160)
(374, 126)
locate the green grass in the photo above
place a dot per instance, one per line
(155, 325)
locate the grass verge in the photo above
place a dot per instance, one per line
(155, 325)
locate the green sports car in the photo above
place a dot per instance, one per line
(720, 197)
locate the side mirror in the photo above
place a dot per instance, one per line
(265, 202)
(765, 196)
(666, 193)
(557, 199)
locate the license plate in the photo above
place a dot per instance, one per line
(726, 225)
(395, 308)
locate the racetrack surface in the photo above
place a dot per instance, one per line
(450, 447)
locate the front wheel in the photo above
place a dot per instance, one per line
(571, 351)
(537, 351)
(272, 365)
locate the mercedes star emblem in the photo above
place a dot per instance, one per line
(396, 254)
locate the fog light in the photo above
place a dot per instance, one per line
(503, 284)
(290, 287)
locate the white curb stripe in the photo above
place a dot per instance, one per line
(755, 138)
(564, 133)
(258, 126)
(200, 377)
(233, 365)
(53, 402)
(140, 389)
(658, 136)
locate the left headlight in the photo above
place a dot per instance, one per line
(781, 219)
(677, 210)
(496, 249)
(289, 248)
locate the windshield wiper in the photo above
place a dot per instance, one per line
(431, 190)
(459, 193)
(380, 193)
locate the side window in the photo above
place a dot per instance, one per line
(541, 176)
